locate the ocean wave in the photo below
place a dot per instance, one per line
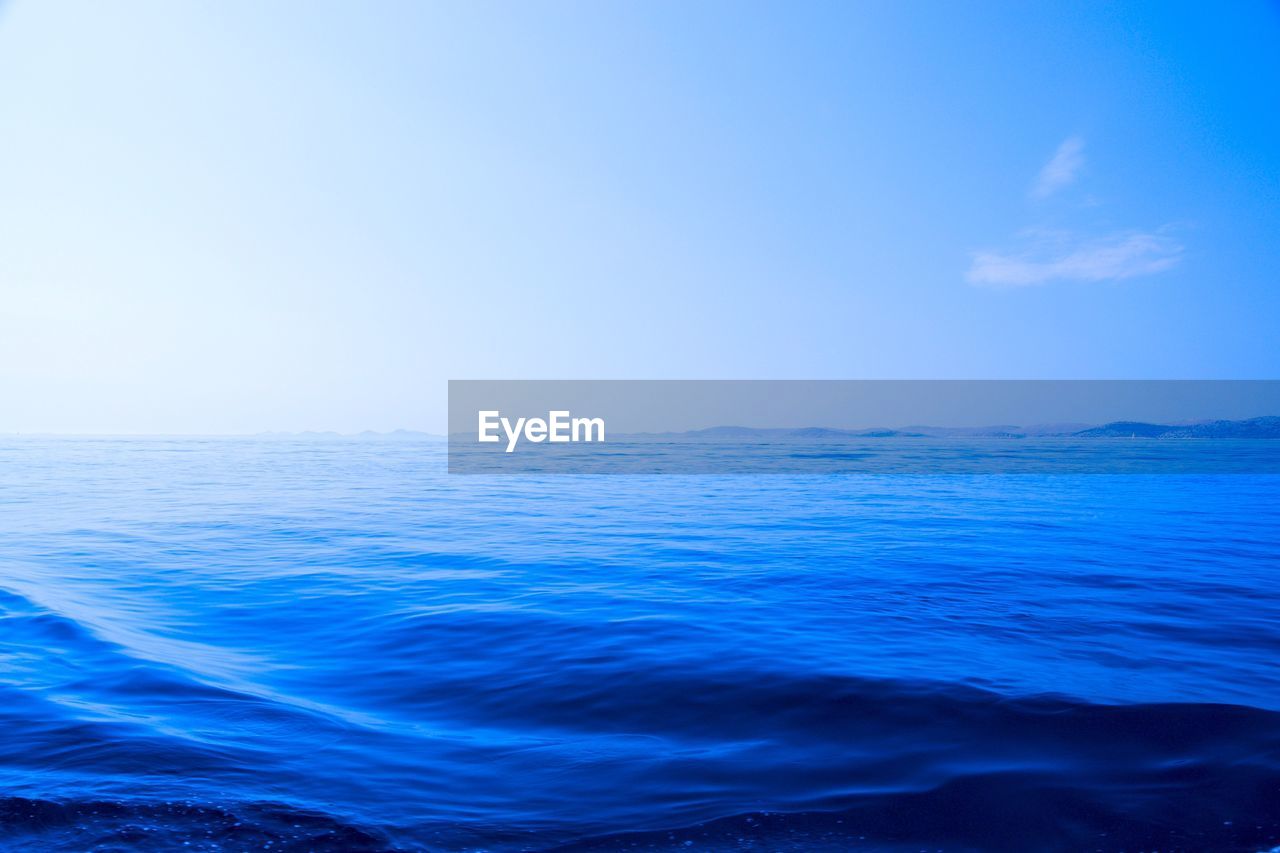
(107, 825)
(1193, 807)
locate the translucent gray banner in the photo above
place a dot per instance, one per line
(501, 427)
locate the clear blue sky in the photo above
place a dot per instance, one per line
(232, 217)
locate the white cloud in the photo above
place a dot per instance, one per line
(1066, 258)
(1062, 169)
(1090, 253)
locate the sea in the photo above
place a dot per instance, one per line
(331, 645)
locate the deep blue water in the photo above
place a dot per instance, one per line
(335, 645)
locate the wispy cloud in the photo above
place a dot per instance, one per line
(1061, 257)
(1087, 251)
(1062, 169)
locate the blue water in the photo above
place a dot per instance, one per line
(334, 645)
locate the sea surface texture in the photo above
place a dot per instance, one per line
(335, 645)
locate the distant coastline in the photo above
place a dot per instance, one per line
(1267, 427)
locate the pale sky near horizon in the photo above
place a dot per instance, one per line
(236, 217)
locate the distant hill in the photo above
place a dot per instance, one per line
(1253, 428)
(810, 433)
(1265, 427)
(1124, 429)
